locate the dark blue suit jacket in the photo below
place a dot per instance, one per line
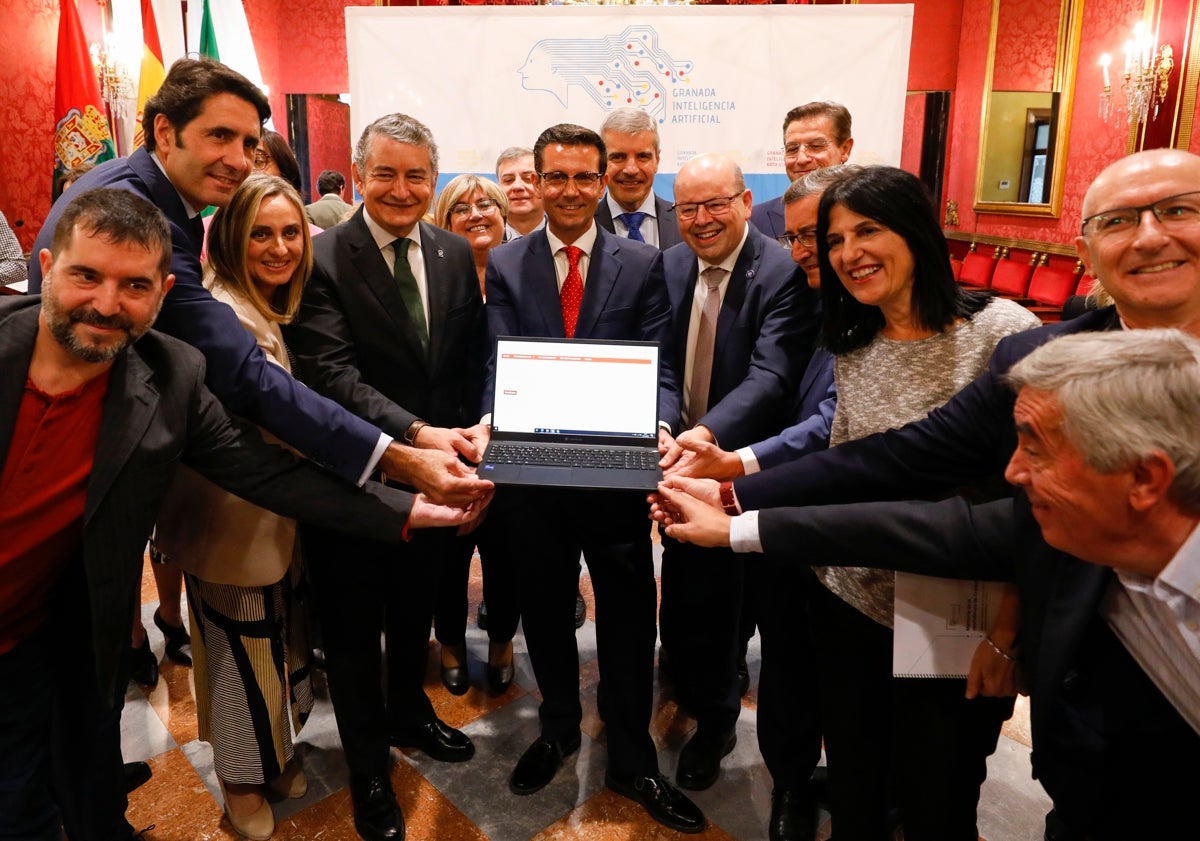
(237, 372)
(624, 297)
(815, 404)
(668, 225)
(1106, 742)
(768, 217)
(765, 331)
(968, 439)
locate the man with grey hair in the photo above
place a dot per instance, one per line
(1102, 540)
(392, 328)
(518, 178)
(631, 209)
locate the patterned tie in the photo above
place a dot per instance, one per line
(702, 356)
(633, 221)
(572, 290)
(409, 292)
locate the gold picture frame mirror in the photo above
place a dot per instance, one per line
(1028, 94)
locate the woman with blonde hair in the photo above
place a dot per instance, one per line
(477, 209)
(242, 563)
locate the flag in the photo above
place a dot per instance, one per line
(81, 133)
(208, 35)
(153, 70)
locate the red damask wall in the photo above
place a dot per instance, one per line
(328, 133)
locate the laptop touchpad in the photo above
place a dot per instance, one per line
(541, 475)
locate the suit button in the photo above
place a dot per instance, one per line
(1071, 682)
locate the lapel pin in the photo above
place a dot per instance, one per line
(441, 253)
(749, 274)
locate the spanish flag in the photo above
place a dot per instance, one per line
(81, 133)
(153, 70)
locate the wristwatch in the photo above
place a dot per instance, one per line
(410, 434)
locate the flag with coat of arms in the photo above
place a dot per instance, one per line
(81, 132)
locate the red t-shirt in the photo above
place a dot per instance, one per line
(43, 490)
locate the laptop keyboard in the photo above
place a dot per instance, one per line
(575, 456)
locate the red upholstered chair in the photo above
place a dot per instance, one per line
(1011, 278)
(1086, 284)
(977, 269)
(1051, 285)
(956, 267)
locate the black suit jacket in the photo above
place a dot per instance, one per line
(969, 438)
(355, 343)
(158, 414)
(765, 334)
(238, 372)
(624, 297)
(767, 216)
(1106, 742)
(668, 225)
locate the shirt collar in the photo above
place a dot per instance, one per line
(192, 212)
(585, 241)
(384, 238)
(648, 206)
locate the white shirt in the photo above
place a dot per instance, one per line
(416, 258)
(649, 228)
(698, 296)
(1158, 622)
(586, 242)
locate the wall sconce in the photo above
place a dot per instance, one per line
(1146, 78)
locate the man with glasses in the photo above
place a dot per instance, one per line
(631, 209)
(391, 327)
(815, 135)
(1140, 238)
(744, 329)
(517, 177)
(574, 279)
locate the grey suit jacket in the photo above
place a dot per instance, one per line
(327, 211)
(668, 225)
(355, 344)
(157, 414)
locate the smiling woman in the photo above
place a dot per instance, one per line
(477, 209)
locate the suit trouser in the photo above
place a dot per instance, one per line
(911, 742)
(700, 620)
(360, 587)
(789, 719)
(546, 529)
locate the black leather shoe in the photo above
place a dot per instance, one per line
(700, 759)
(793, 815)
(538, 765)
(500, 669)
(136, 775)
(143, 665)
(665, 803)
(580, 611)
(743, 676)
(377, 815)
(437, 739)
(456, 678)
(177, 639)
(481, 616)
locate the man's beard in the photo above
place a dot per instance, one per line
(61, 327)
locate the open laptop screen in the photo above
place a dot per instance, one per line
(576, 387)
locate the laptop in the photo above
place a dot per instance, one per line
(574, 413)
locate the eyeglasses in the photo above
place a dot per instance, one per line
(261, 159)
(481, 206)
(813, 147)
(806, 238)
(557, 180)
(715, 207)
(1173, 213)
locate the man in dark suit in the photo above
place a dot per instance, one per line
(1149, 269)
(392, 328)
(744, 327)
(92, 427)
(574, 279)
(206, 120)
(815, 135)
(1106, 469)
(631, 209)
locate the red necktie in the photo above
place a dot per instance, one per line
(572, 290)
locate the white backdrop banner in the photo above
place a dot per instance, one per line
(716, 78)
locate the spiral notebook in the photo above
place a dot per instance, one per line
(939, 622)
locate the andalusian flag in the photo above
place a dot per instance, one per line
(153, 70)
(81, 132)
(208, 35)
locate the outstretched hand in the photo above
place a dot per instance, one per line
(692, 520)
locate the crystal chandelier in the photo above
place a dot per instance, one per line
(1147, 76)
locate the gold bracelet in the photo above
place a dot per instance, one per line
(1009, 657)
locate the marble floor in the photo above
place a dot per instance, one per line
(444, 802)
